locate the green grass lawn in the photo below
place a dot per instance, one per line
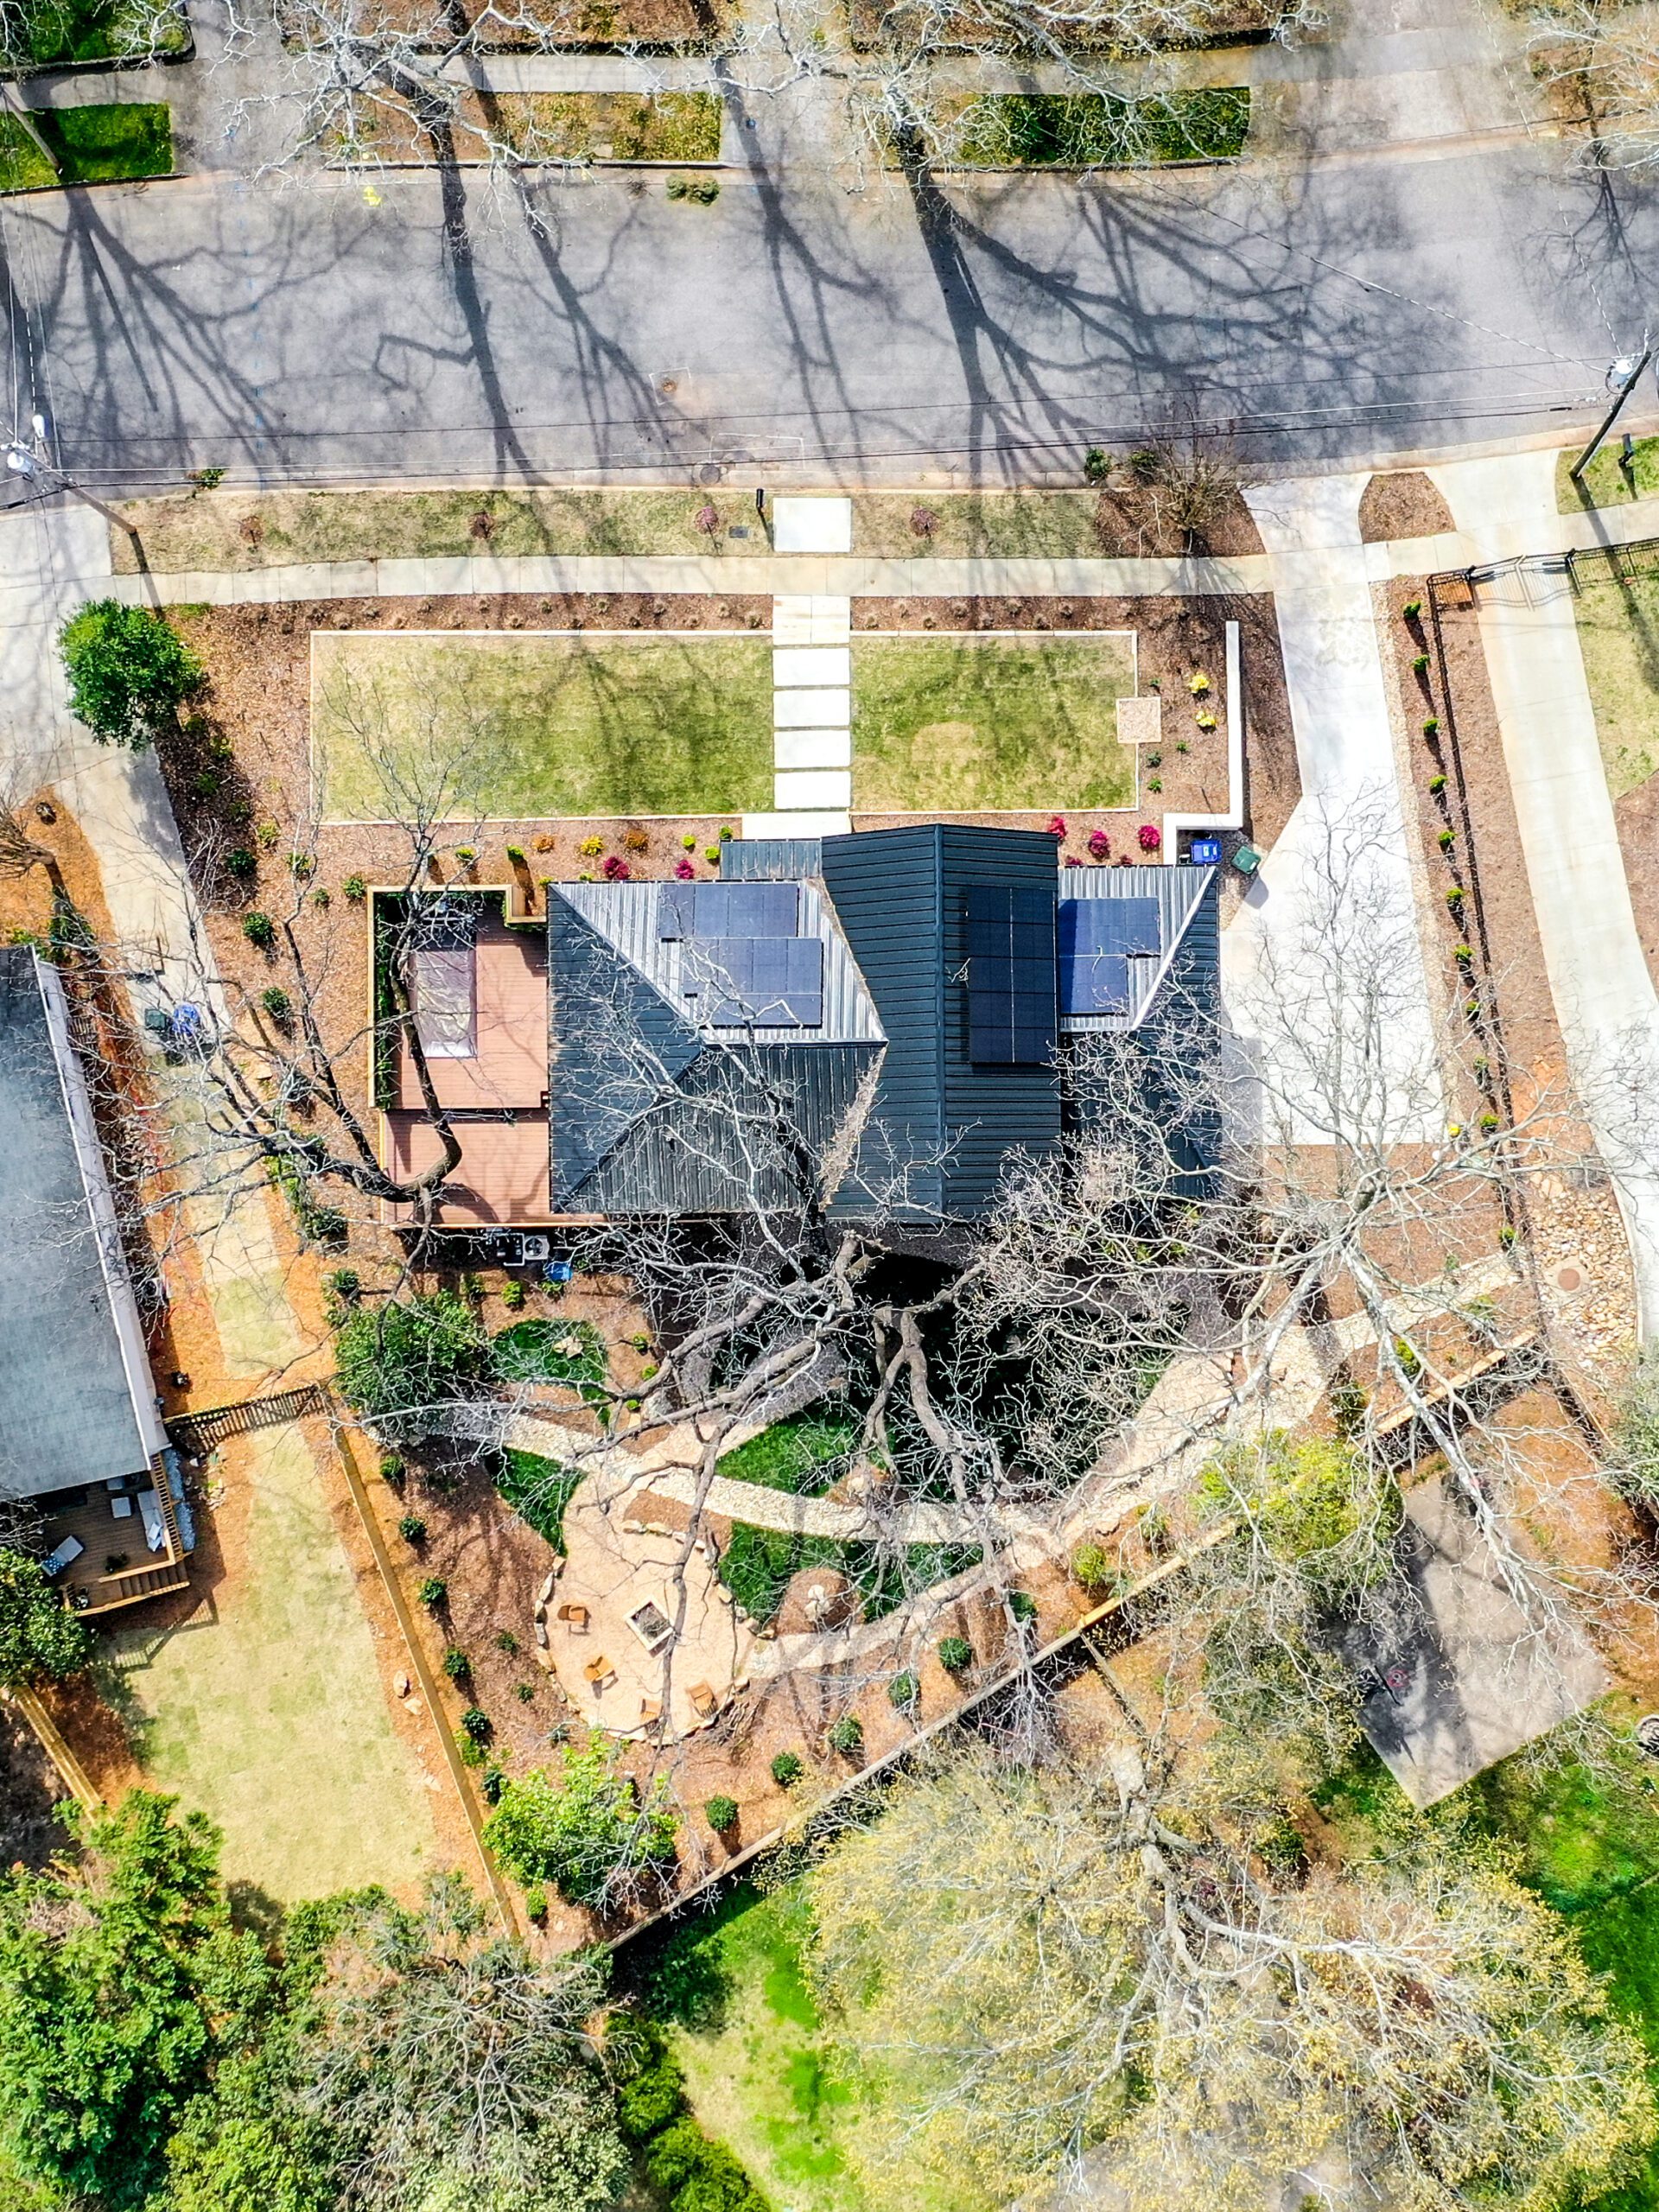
(46, 31)
(1605, 484)
(270, 1701)
(102, 143)
(1619, 631)
(804, 1453)
(538, 1490)
(978, 526)
(522, 727)
(983, 723)
(1089, 130)
(731, 1992)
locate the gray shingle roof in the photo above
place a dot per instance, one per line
(66, 1415)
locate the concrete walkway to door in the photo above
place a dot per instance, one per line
(1598, 977)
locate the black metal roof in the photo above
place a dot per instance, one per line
(66, 1415)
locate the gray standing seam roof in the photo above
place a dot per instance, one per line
(66, 1415)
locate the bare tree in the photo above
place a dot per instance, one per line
(1604, 60)
(1090, 1975)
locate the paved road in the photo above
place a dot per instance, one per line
(1332, 308)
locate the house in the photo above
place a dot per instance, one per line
(81, 1439)
(877, 1023)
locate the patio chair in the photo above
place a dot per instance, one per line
(575, 1617)
(704, 1703)
(650, 1710)
(599, 1673)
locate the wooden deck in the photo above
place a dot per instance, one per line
(90, 1585)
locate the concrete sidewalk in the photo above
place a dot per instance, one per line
(1323, 968)
(1598, 977)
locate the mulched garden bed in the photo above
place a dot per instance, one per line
(1402, 503)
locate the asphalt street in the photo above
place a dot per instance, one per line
(1328, 308)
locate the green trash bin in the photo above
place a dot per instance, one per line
(1247, 860)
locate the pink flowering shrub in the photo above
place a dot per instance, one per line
(614, 868)
(1056, 826)
(685, 870)
(1071, 860)
(1151, 837)
(1099, 844)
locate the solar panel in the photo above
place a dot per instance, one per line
(1010, 941)
(1125, 926)
(674, 912)
(771, 983)
(1095, 983)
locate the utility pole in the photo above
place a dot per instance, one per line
(1625, 371)
(24, 463)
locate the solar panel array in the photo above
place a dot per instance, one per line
(743, 964)
(1011, 953)
(1098, 939)
(726, 911)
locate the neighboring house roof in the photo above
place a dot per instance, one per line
(902, 1042)
(75, 1403)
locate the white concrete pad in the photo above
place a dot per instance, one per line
(822, 825)
(811, 709)
(812, 525)
(812, 789)
(795, 666)
(813, 748)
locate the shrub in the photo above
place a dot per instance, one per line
(515, 854)
(476, 1724)
(466, 855)
(719, 1813)
(955, 1652)
(923, 522)
(636, 840)
(512, 1297)
(1412, 609)
(1057, 825)
(1463, 954)
(684, 871)
(788, 1768)
(265, 836)
(1022, 1605)
(457, 1665)
(698, 2174)
(1432, 726)
(614, 868)
(302, 864)
(1489, 1123)
(434, 1593)
(505, 1641)
(1099, 844)
(1436, 785)
(412, 1528)
(1091, 1566)
(1150, 836)
(345, 1283)
(586, 1831)
(525, 1692)
(391, 1471)
(128, 672)
(655, 2096)
(711, 854)
(259, 930)
(39, 1641)
(689, 842)
(355, 887)
(847, 1735)
(241, 864)
(902, 1691)
(1506, 1237)
(321, 899)
(725, 833)
(1419, 664)
(277, 1004)
(472, 1754)
(394, 1363)
(591, 847)
(1096, 465)
(1447, 839)
(1455, 896)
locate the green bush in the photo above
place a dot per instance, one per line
(457, 1665)
(699, 2175)
(955, 1653)
(277, 1004)
(259, 930)
(585, 1832)
(477, 1724)
(241, 864)
(434, 1593)
(39, 1641)
(512, 1296)
(719, 1813)
(391, 1469)
(540, 1350)
(128, 672)
(507, 1640)
(1091, 1566)
(1022, 1605)
(847, 1735)
(902, 1691)
(788, 1768)
(355, 887)
(394, 1363)
(412, 1528)
(534, 1899)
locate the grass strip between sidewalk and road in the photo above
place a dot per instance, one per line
(104, 142)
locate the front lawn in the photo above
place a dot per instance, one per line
(990, 723)
(103, 143)
(804, 1453)
(544, 724)
(1618, 634)
(1082, 130)
(42, 33)
(1605, 483)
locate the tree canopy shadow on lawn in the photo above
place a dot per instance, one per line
(546, 724)
(990, 724)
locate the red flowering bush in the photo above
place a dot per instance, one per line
(1056, 826)
(1099, 844)
(614, 868)
(685, 870)
(1071, 860)
(1151, 837)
